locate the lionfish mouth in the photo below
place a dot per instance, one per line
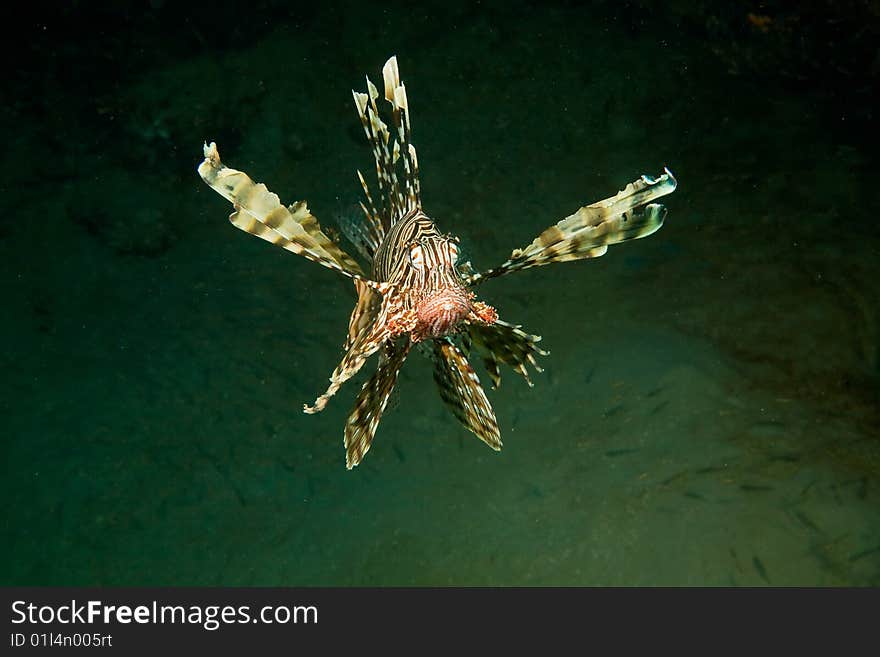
(439, 313)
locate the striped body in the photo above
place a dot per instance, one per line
(393, 262)
(417, 291)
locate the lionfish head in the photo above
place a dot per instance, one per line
(441, 300)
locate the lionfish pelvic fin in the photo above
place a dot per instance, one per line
(460, 389)
(372, 325)
(370, 404)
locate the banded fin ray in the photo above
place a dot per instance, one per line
(362, 234)
(504, 343)
(370, 404)
(460, 389)
(394, 201)
(364, 313)
(588, 232)
(365, 344)
(386, 176)
(260, 212)
(372, 324)
(395, 94)
(374, 231)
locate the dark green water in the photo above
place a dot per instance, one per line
(708, 414)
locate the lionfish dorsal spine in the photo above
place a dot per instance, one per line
(362, 100)
(370, 235)
(395, 199)
(395, 93)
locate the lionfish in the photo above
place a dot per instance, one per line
(417, 292)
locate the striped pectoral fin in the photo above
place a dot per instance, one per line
(299, 211)
(370, 404)
(460, 389)
(588, 232)
(260, 212)
(501, 342)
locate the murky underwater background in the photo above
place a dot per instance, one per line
(708, 414)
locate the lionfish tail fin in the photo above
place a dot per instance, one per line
(587, 233)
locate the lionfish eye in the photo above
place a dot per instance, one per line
(417, 256)
(453, 252)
